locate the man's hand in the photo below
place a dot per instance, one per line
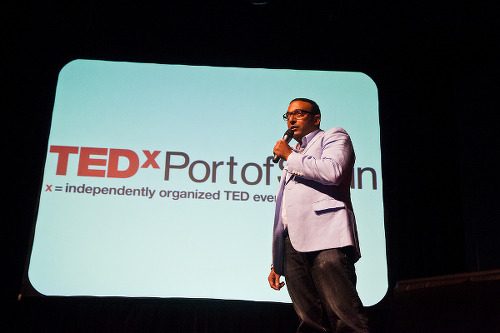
(274, 280)
(282, 149)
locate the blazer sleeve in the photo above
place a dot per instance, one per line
(330, 163)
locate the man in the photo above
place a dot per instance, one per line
(315, 241)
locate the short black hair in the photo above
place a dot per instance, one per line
(315, 107)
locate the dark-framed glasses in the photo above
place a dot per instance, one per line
(298, 114)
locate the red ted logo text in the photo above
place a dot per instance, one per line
(103, 162)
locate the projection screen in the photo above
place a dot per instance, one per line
(158, 180)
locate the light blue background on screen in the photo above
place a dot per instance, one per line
(110, 245)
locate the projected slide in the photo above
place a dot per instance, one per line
(159, 180)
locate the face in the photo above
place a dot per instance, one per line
(303, 126)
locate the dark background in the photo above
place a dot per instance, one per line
(435, 66)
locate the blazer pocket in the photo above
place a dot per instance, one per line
(327, 205)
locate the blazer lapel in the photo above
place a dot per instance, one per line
(310, 144)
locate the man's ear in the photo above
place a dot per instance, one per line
(317, 119)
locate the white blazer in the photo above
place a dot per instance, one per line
(318, 201)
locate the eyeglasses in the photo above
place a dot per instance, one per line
(298, 114)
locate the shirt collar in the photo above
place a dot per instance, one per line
(307, 139)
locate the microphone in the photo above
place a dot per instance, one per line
(288, 136)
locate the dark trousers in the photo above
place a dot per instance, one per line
(322, 286)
